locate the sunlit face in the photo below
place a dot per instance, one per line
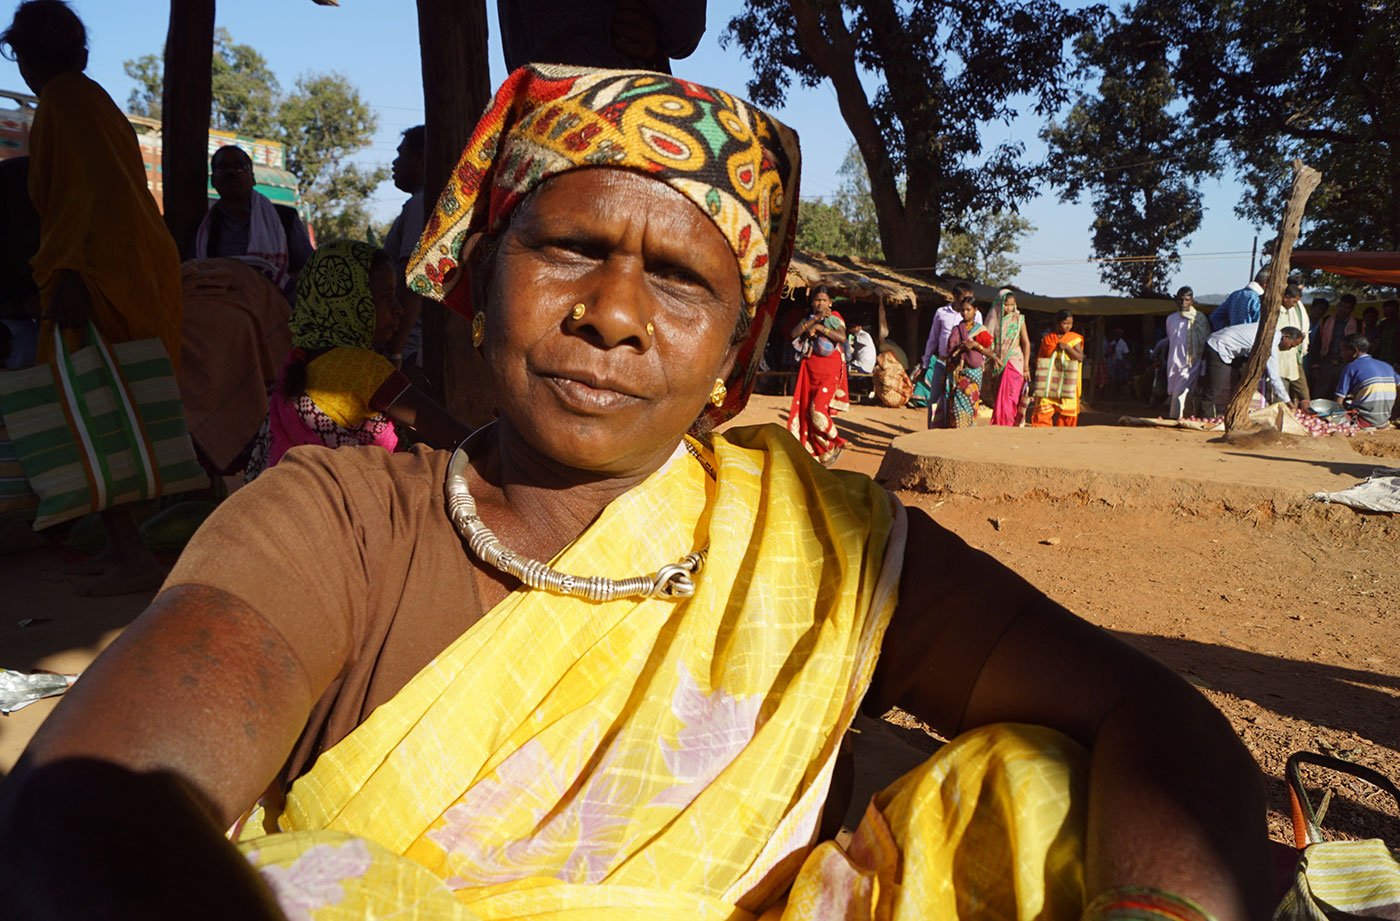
(1185, 301)
(821, 301)
(1290, 301)
(386, 306)
(1009, 304)
(1065, 325)
(969, 311)
(603, 392)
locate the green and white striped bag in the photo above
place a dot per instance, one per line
(17, 500)
(99, 427)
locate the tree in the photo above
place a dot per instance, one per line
(1315, 79)
(246, 91)
(986, 250)
(1126, 146)
(322, 122)
(847, 225)
(944, 69)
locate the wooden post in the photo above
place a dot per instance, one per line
(1093, 354)
(456, 88)
(912, 346)
(186, 98)
(882, 323)
(1305, 180)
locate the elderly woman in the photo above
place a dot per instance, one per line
(612, 679)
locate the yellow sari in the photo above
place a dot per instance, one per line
(570, 759)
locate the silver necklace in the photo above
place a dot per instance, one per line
(671, 581)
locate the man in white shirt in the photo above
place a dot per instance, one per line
(406, 345)
(1229, 348)
(862, 350)
(1290, 362)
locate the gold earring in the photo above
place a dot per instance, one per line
(478, 329)
(718, 393)
(651, 330)
(578, 311)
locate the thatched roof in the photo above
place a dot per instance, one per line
(859, 280)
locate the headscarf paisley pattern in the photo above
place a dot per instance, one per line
(736, 164)
(334, 307)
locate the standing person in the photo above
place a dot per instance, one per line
(1058, 374)
(1368, 385)
(245, 225)
(1012, 344)
(1291, 362)
(1228, 349)
(1115, 360)
(1241, 306)
(1187, 332)
(405, 347)
(821, 390)
(1387, 341)
(932, 372)
(862, 346)
(1331, 333)
(104, 254)
(969, 344)
(336, 390)
(1370, 319)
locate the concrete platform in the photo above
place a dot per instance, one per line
(1124, 467)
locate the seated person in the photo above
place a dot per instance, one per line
(862, 350)
(647, 725)
(244, 224)
(335, 389)
(1367, 386)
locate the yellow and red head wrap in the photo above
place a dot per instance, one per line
(736, 164)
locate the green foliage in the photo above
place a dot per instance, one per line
(845, 226)
(322, 122)
(245, 90)
(943, 69)
(1270, 80)
(985, 252)
(1125, 145)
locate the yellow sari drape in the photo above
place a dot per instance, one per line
(571, 760)
(98, 219)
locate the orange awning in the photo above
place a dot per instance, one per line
(1372, 268)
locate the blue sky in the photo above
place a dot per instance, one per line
(375, 44)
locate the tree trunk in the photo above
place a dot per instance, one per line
(1305, 180)
(186, 98)
(456, 88)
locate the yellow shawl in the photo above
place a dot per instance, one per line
(98, 218)
(565, 758)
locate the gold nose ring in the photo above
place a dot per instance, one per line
(651, 330)
(578, 311)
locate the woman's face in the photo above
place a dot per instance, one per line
(969, 311)
(1065, 325)
(386, 306)
(1008, 305)
(821, 302)
(614, 390)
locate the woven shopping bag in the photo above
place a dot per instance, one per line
(1056, 377)
(99, 427)
(1338, 879)
(17, 500)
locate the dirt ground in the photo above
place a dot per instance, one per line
(1286, 621)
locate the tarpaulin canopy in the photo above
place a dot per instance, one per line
(1372, 268)
(1086, 306)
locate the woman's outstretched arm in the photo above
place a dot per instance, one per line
(1176, 802)
(119, 805)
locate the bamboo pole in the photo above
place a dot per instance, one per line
(186, 96)
(456, 88)
(1305, 180)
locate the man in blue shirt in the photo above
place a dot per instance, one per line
(1229, 349)
(1368, 385)
(1241, 306)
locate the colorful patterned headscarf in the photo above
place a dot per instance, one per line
(334, 307)
(739, 166)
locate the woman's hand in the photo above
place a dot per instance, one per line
(71, 305)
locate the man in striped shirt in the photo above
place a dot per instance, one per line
(1368, 385)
